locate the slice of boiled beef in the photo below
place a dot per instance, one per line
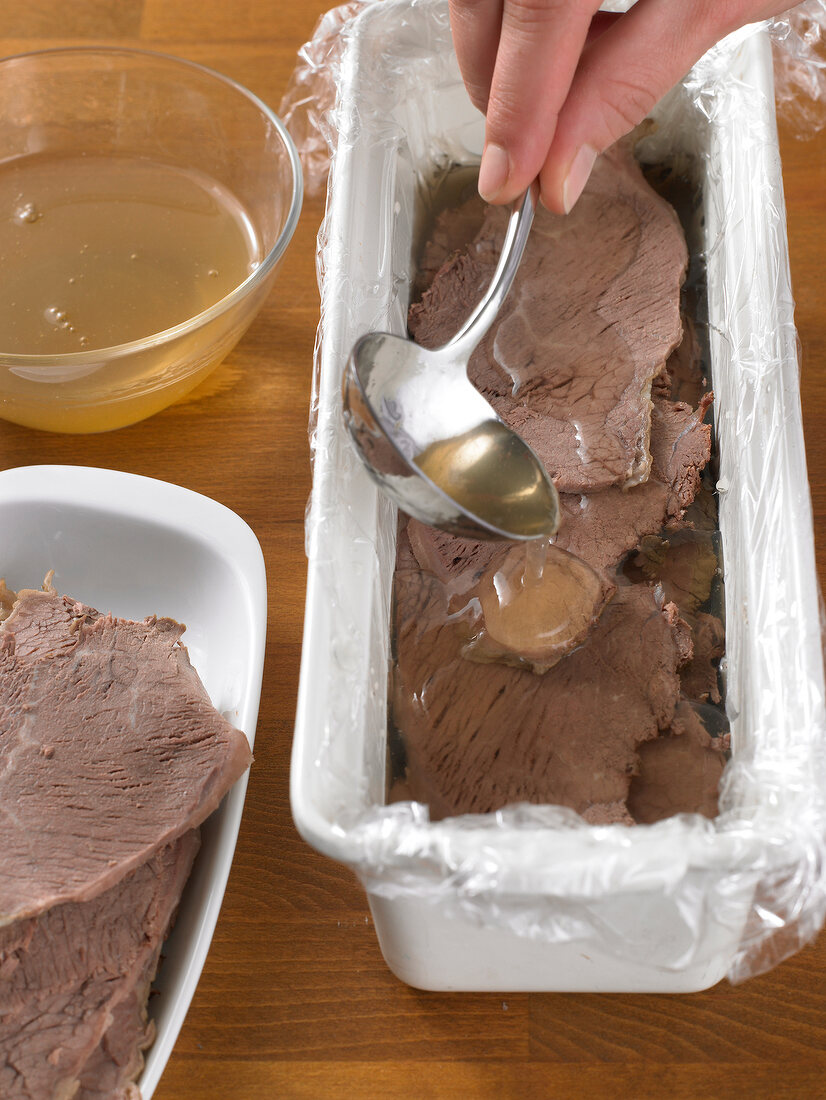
(480, 737)
(602, 527)
(591, 319)
(679, 772)
(110, 749)
(684, 375)
(68, 974)
(449, 236)
(113, 1067)
(699, 678)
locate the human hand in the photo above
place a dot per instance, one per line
(560, 82)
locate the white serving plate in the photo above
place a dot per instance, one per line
(136, 547)
(528, 901)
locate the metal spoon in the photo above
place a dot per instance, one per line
(429, 438)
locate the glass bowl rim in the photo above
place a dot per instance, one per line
(117, 351)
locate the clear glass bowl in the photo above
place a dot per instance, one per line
(63, 112)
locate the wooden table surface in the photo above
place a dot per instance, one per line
(295, 999)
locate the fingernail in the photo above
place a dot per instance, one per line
(577, 176)
(493, 171)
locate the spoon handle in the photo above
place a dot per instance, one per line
(516, 237)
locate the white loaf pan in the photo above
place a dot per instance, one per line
(533, 900)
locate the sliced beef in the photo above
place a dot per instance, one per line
(109, 750)
(479, 737)
(67, 973)
(683, 371)
(449, 236)
(458, 563)
(590, 364)
(699, 678)
(590, 322)
(685, 564)
(678, 772)
(602, 527)
(118, 1059)
(608, 813)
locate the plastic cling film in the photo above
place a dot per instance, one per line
(799, 39)
(688, 895)
(307, 106)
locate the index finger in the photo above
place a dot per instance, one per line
(539, 49)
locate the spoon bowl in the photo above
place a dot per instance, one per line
(436, 446)
(429, 438)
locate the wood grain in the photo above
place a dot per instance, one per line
(295, 1000)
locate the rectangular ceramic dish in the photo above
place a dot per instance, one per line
(136, 547)
(513, 905)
